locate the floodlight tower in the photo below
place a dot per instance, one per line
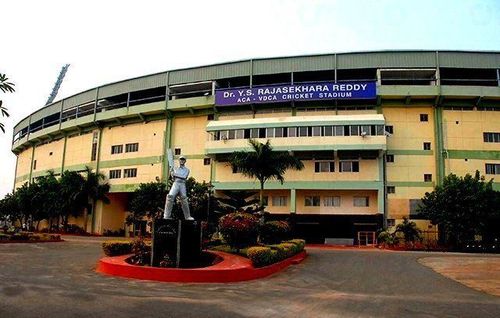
(57, 85)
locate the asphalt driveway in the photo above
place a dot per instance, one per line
(58, 280)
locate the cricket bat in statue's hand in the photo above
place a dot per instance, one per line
(170, 158)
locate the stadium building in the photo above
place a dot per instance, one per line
(375, 130)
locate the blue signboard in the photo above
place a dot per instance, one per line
(295, 92)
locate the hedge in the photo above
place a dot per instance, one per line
(270, 254)
(116, 248)
(274, 232)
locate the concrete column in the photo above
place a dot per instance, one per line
(293, 201)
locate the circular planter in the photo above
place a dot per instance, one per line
(232, 268)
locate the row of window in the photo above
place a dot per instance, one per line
(492, 168)
(311, 131)
(127, 173)
(329, 166)
(315, 200)
(133, 147)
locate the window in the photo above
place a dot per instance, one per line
(239, 133)
(116, 149)
(391, 189)
(339, 131)
(269, 132)
(292, 132)
(130, 173)
(414, 204)
(389, 158)
(491, 168)
(491, 137)
(93, 153)
(278, 132)
(349, 166)
(361, 201)
(424, 117)
(366, 130)
(331, 201)
(379, 130)
(328, 130)
(391, 222)
(210, 117)
(265, 200)
(132, 147)
(427, 146)
(222, 136)
(279, 201)
(254, 133)
(354, 130)
(177, 151)
(316, 131)
(427, 177)
(34, 164)
(324, 166)
(115, 174)
(312, 201)
(231, 134)
(389, 129)
(303, 131)
(206, 161)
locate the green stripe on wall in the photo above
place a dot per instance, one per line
(474, 154)
(410, 152)
(411, 184)
(130, 162)
(124, 187)
(302, 185)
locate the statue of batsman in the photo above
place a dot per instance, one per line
(180, 175)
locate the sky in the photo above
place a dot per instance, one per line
(107, 41)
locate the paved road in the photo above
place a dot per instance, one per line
(58, 280)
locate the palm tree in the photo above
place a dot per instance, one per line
(95, 188)
(262, 163)
(5, 86)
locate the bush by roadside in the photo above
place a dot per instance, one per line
(270, 254)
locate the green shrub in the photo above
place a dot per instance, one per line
(142, 252)
(115, 248)
(261, 256)
(21, 236)
(386, 238)
(239, 229)
(274, 232)
(267, 255)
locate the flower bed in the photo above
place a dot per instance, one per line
(29, 237)
(231, 268)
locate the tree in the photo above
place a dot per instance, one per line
(263, 164)
(147, 202)
(48, 203)
(73, 196)
(409, 230)
(9, 208)
(5, 87)
(463, 207)
(237, 201)
(95, 188)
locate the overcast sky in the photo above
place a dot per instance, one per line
(107, 41)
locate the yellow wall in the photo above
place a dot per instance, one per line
(148, 135)
(111, 216)
(409, 132)
(346, 202)
(23, 165)
(410, 168)
(45, 161)
(461, 167)
(467, 134)
(78, 150)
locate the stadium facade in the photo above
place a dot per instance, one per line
(375, 130)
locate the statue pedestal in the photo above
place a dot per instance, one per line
(180, 240)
